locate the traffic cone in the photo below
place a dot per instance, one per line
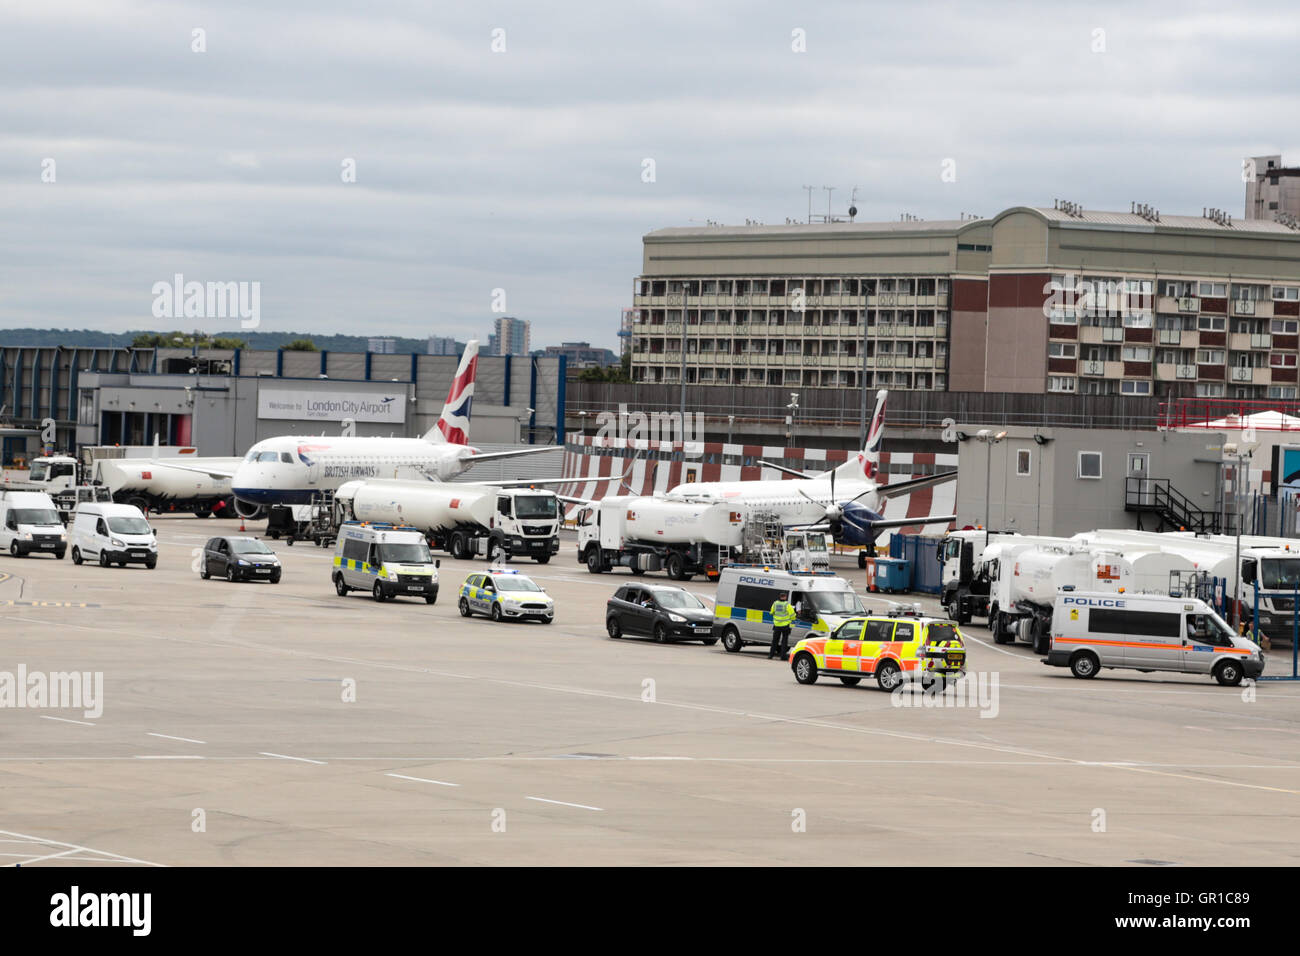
(241, 524)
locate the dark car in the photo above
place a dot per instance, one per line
(660, 611)
(239, 559)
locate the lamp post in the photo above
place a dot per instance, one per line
(731, 420)
(990, 439)
(793, 409)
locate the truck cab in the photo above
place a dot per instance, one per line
(56, 472)
(527, 523)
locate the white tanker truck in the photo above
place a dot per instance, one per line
(1029, 579)
(461, 518)
(648, 534)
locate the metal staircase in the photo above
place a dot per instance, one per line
(1173, 509)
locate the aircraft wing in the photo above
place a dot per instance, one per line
(881, 524)
(896, 488)
(530, 482)
(789, 471)
(213, 472)
(513, 453)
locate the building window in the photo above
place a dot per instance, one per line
(1090, 464)
(1289, 293)
(1022, 461)
(1209, 356)
(1214, 290)
(1135, 388)
(1209, 390)
(1284, 326)
(1060, 383)
(1281, 391)
(1212, 323)
(1065, 350)
(1137, 353)
(1282, 360)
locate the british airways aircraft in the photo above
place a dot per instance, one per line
(847, 501)
(290, 469)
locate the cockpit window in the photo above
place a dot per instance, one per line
(268, 456)
(286, 458)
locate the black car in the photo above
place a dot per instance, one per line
(239, 559)
(660, 611)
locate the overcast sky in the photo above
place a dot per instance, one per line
(522, 170)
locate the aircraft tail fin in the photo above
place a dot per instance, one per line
(452, 427)
(865, 465)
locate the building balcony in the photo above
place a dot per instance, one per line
(1166, 372)
(1245, 375)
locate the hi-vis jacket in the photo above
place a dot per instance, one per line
(782, 613)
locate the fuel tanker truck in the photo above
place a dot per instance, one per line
(685, 538)
(1029, 579)
(462, 519)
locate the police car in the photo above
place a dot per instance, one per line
(892, 648)
(505, 594)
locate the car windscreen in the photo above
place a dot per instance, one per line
(129, 526)
(837, 602)
(1281, 574)
(508, 582)
(678, 599)
(36, 516)
(535, 506)
(249, 546)
(414, 553)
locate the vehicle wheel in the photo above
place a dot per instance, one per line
(496, 612)
(464, 608)
(888, 676)
(731, 639)
(13, 549)
(290, 540)
(613, 629)
(339, 587)
(676, 567)
(275, 579)
(202, 512)
(595, 560)
(231, 576)
(1084, 665)
(494, 550)
(457, 546)
(274, 535)
(1042, 637)
(431, 599)
(59, 554)
(139, 503)
(121, 562)
(543, 559)
(76, 556)
(850, 681)
(661, 634)
(938, 684)
(150, 564)
(377, 592)
(709, 641)
(203, 571)
(1001, 633)
(805, 668)
(1228, 673)
(103, 559)
(637, 571)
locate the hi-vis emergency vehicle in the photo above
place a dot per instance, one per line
(505, 594)
(742, 614)
(386, 560)
(1148, 632)
(892, 648)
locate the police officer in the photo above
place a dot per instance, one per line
(782, 620)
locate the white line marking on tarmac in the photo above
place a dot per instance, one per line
(188, 740)
(287, 757)
(66, 720)
(402, 776)
(76, 848)
(580, 806)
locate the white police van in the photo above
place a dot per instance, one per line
(1147, 632)
(385, 559)
(742, 614)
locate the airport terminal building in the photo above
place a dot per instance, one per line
(1034, 300)
(222, 400)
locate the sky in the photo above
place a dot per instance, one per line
(417, 168)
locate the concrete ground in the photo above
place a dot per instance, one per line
(226, 737)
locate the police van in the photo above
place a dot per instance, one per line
(385, 559)
(1148, 632)
(823, 601)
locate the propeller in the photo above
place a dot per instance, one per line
(835, 510)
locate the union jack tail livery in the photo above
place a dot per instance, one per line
(453, 424)
(866, 464)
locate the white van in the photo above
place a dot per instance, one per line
(742, 614)
(112, 534)
(29, 524)
(1148, 632)
(385, 559)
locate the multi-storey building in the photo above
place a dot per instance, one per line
(512, 336)
(1032, 300)
(1271, 188)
